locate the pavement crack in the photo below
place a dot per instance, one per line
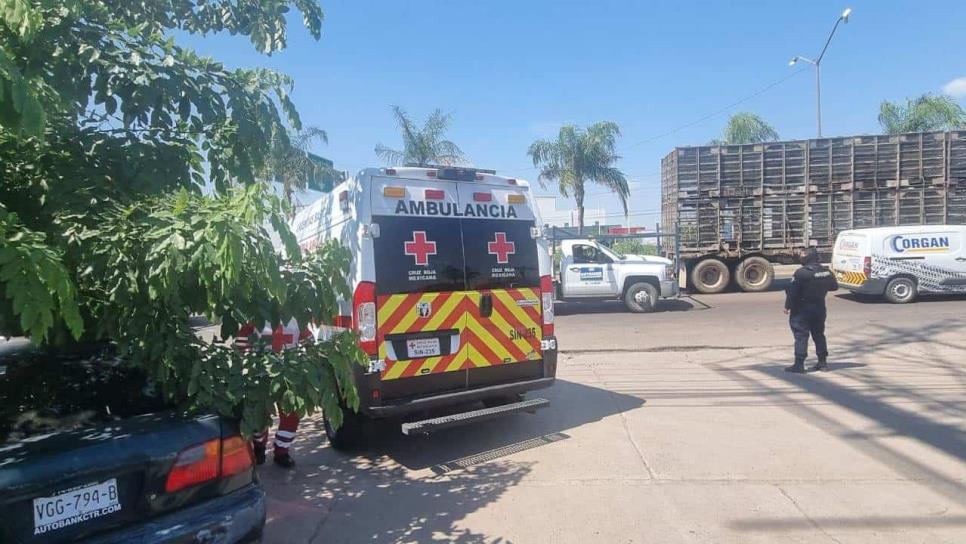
(806, 516)
(627, 431)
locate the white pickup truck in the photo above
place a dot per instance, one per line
(591, 271)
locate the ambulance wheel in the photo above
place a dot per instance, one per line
(754, 275)
(350, 434)
(641, 297)
(900, 290)
(710, 276)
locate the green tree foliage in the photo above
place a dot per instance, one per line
(746, 128)
(928, 112)
(291, 165)
(633, 246)
(133, 196)
(578, 156)
(422, 145)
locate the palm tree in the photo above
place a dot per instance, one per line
(578, 156)
(746, 128)
(928, 112)
(422, 146)
(292, 165)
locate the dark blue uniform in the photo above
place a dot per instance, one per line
(805, 301)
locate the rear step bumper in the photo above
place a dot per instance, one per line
(427, 426)
(457, 397)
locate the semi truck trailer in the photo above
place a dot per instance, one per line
(739, 209)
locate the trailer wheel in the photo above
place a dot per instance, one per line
(710, 276)
(350, 434)
(754, 274)
(641, 297)
(900, 291)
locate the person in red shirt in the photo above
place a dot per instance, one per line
(282, 337)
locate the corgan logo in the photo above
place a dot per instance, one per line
(848, 244)
(920, 244)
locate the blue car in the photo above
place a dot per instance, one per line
(90, 452)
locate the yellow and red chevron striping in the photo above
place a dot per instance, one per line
(510, 334)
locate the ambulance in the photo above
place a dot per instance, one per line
(901, 263)
(452, 294)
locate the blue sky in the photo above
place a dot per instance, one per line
(513, 71)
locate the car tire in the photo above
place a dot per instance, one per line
(350, 434)
(710, 276)
(754, 275)
(901, 291)
(641, 297)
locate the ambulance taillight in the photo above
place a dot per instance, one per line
(867, 267)
(364, 316)
(546, 301)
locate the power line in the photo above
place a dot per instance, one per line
(720, 111)
(711, 115)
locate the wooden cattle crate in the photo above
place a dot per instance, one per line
(779, 196)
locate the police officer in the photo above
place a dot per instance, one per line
(805, 305)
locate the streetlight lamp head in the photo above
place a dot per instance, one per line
(846, 13)
(793, 61)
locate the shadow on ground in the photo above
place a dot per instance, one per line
(876, 299)
(921, 396)
(417, 489)
(683, 304)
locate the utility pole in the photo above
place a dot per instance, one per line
(817, 63)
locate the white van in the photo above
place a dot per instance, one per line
(453, 297)
(902, 262)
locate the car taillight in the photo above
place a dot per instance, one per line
(195, 465)
(236, 456)
(546, 301)
(867, 266)
(364, 316)
(218, 458)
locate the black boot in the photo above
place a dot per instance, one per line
(259, 451)
(284, 460)
(821, 365)
(798, 367)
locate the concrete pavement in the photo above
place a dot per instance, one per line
(677, 426)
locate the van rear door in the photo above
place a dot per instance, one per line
(502, 275)
(420, 279)
(849, 258)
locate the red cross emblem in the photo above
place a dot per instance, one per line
(501, 248)
(420, 248)
(281, 340)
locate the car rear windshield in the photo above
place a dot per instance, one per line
(43, 391)
(426, 254)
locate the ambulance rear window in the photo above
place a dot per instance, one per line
(499, 254)
(418, 255)
(432, 254)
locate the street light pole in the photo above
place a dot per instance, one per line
(817, 63)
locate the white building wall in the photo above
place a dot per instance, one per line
(566, 214)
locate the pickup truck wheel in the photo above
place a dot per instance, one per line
(754, 275)
(710, 276)
(350, 434)
(641, 297)
(900, 291)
